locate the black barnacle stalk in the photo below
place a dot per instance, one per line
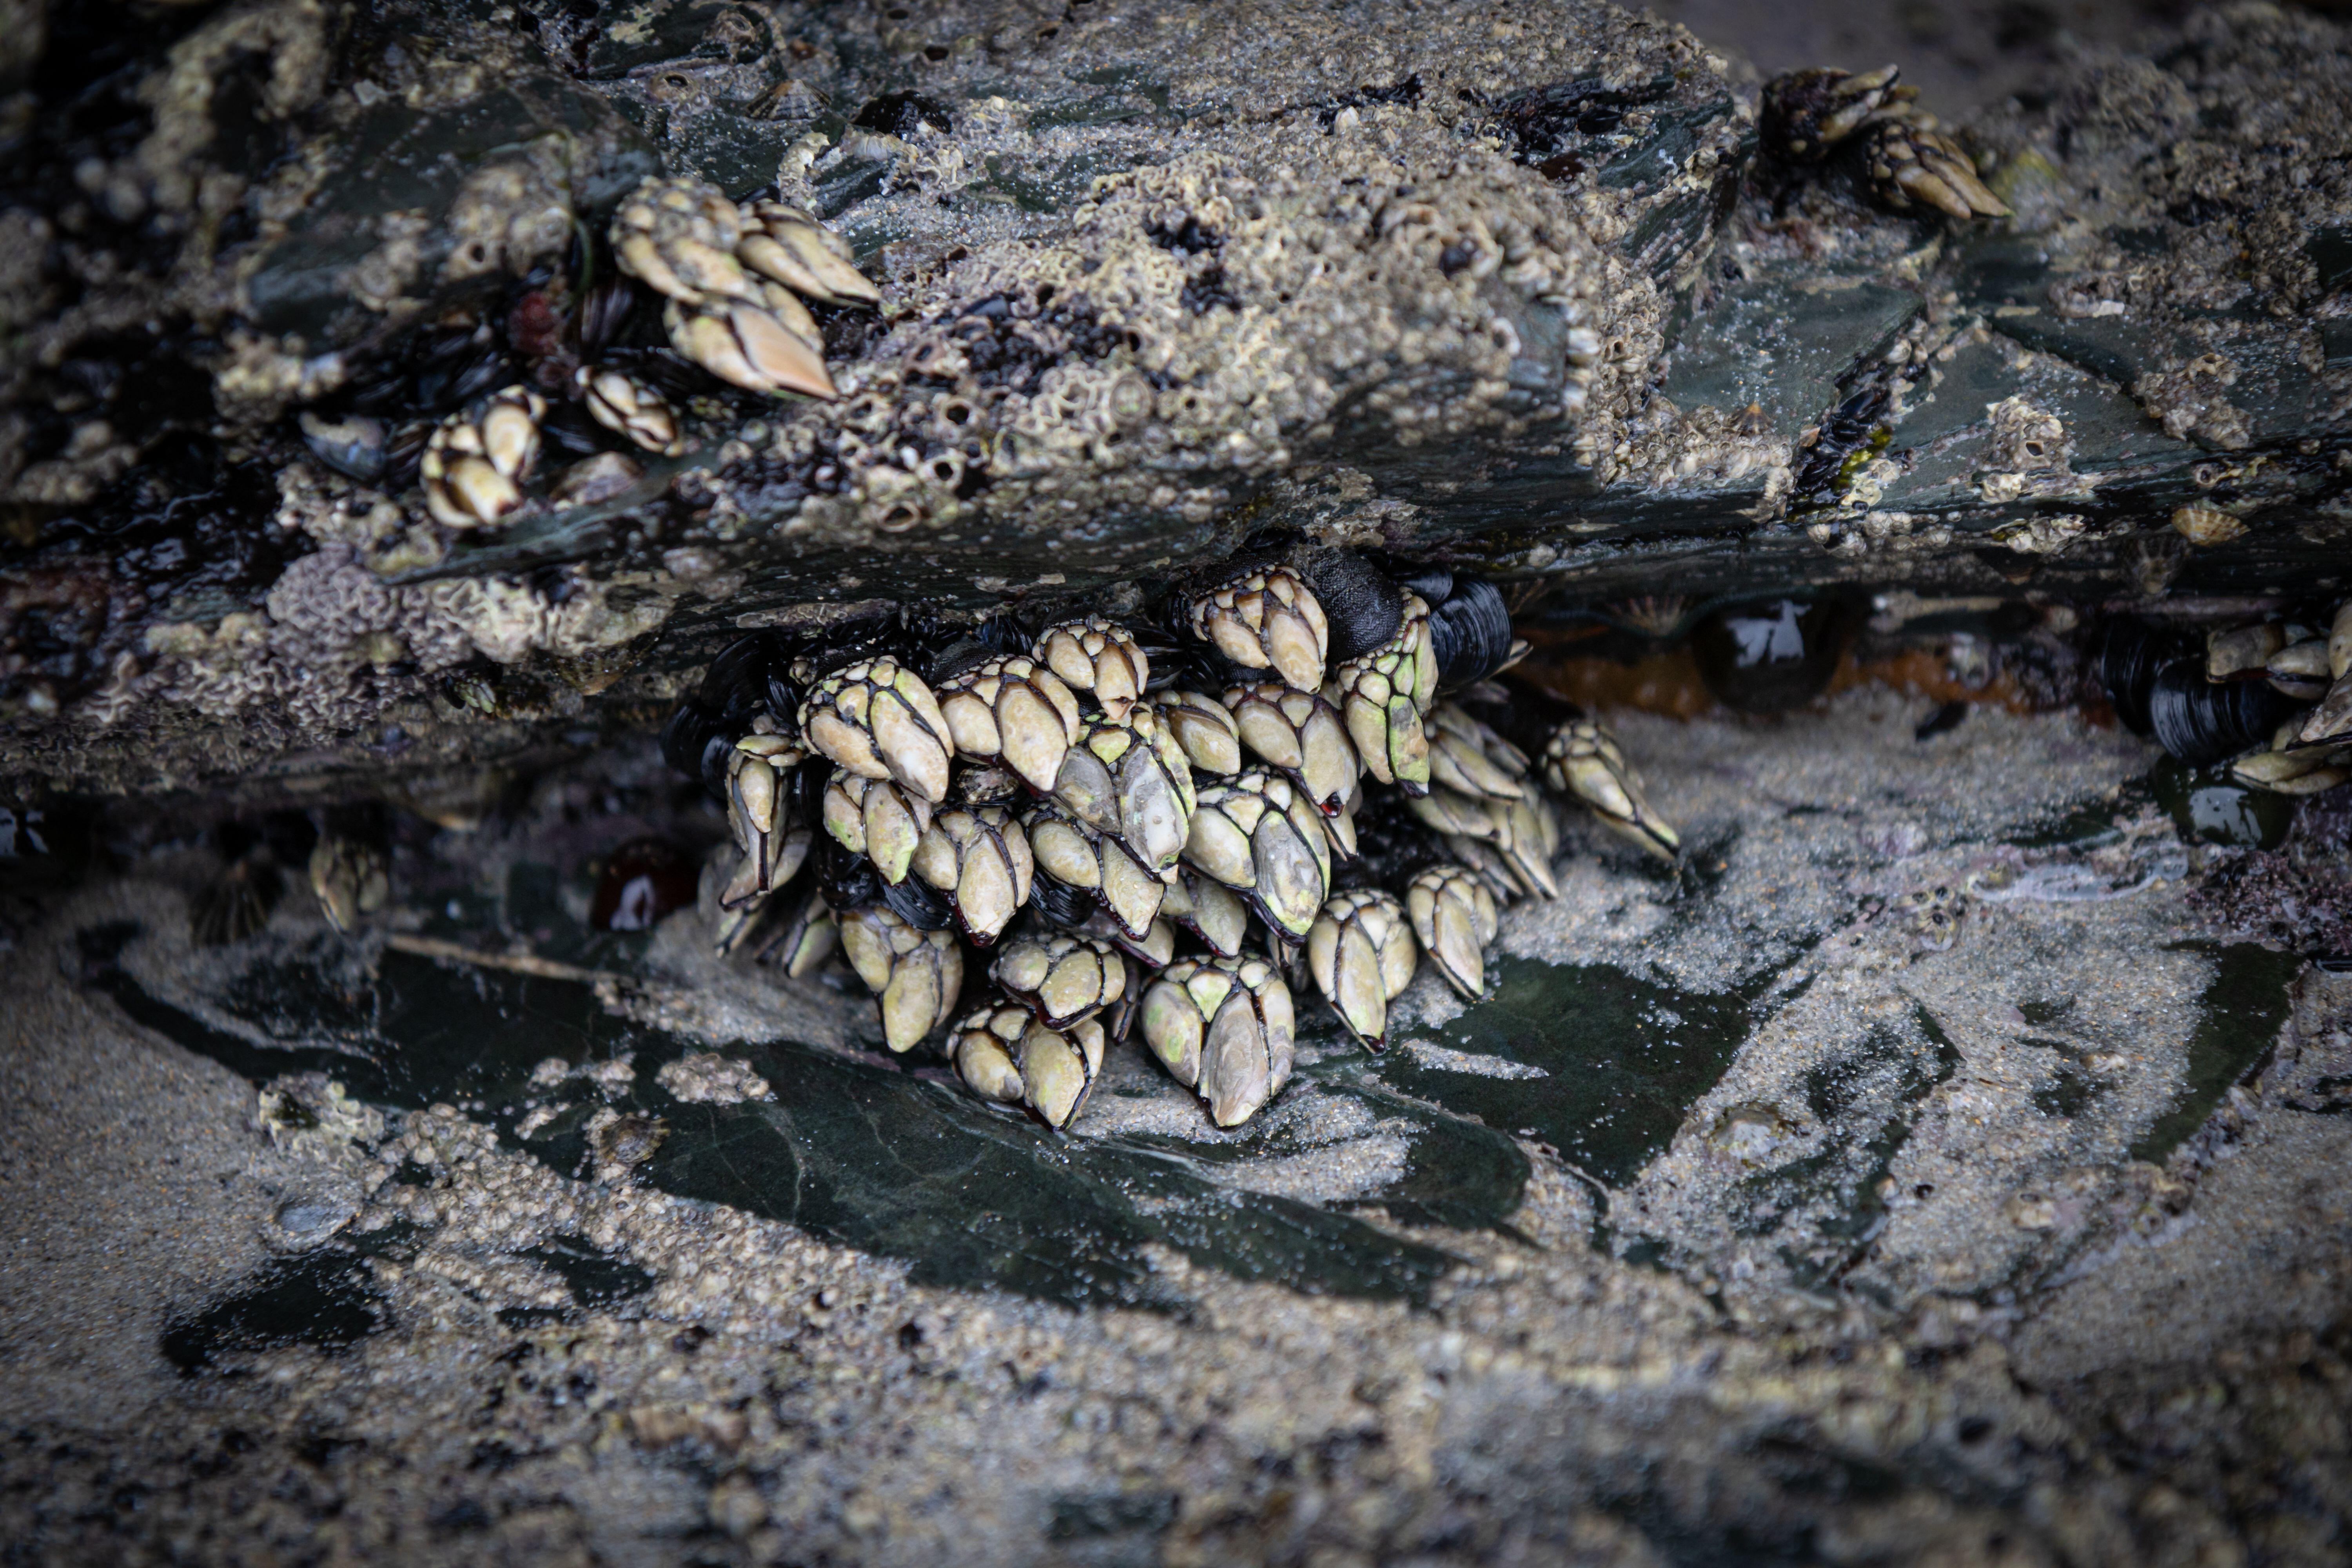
(1117, 809)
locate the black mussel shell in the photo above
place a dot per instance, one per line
(847, 881)
(1060, 902)
(2127, 653)
(695, 743)
(1470, 633)
(2201, 722)
(603, 310)
(354, 445)
(958, 658)
(918, 904)
(1361, 607)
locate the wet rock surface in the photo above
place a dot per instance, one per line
(1921, 1161)
(1516, 289)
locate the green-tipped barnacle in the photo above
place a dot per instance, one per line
(759, 815)
(1126, 775)
(1062, 979)
(1097, 655)
(980, 859)
(1208, 908)
(1266, 617)
(1381, 694)
(678, 236)
(1204, 728)
(1012, 709)
(1225, 1028)
(788, 245)
(351, 878)
(629, 407)
(879, 818)
(1081, 856)
(1301, 733)
(878, 719)
(1468, 757)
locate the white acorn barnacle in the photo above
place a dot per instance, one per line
(879, 818)
(1005, 1054)
(980, 859)
(1097, 655)
(1584, 763)
(475, 461)
(1361, 954)
(878, 719)
(1301, 733)
(1258, 836)
(787, 245)
(629, 407)
(917, 974)
(1454, 917)
(1266, 617)
(1062, 979)
(1012, 709)
(1382, 693)
(1225, 1028)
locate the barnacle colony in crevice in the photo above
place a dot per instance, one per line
(1114, 843)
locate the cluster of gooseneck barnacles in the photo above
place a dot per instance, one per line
(732, 278)
(1296, 743)
(1906, 161)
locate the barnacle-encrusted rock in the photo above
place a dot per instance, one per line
(1225, 1027)
(1005, 1054)
(1450, 303)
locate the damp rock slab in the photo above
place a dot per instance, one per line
(1143, 278)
